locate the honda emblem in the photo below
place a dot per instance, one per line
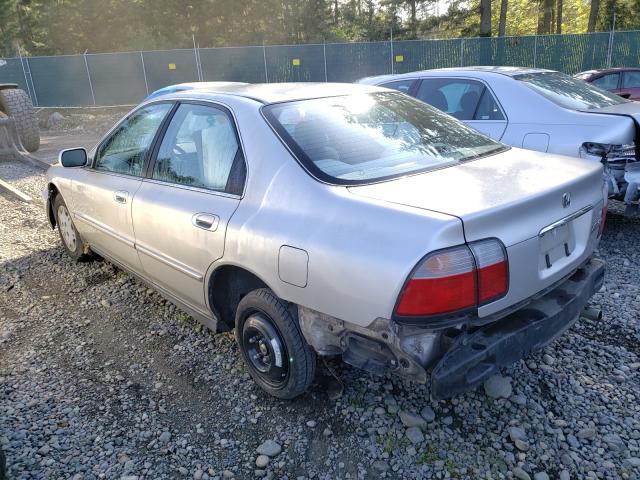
(566, 200)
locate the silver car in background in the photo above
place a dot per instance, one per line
(540, 110)
(339, 220)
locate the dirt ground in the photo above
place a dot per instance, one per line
(78, 128)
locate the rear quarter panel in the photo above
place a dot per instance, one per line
(530, 112)
(360, 251)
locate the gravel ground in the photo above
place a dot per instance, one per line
(102, 378)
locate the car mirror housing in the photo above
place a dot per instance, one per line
(73, 157)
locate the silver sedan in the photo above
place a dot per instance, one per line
(538, 110)
(338, 220)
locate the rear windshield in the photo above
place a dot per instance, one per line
(365, 138)
(569, 92)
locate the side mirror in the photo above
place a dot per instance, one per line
(73, 157)
(624, 95)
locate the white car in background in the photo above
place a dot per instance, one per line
(539, 110)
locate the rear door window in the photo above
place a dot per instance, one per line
(460, 98)
(631, 80)
(607, 82)
(401, 85)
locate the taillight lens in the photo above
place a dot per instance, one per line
(493, 274)
(456, 279)
(444, 282)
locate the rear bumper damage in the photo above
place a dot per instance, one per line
(461, 357)
(475, 357)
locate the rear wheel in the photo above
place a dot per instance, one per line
(68, 234)
(278, 358)
(17, 105)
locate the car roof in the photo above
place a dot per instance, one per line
(273, 92)
(480, 71)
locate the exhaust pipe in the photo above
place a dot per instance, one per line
(592, 313)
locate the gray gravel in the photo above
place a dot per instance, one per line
(102, 378)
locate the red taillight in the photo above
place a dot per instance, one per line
(456, 279)
(444, 282)
(493, 274)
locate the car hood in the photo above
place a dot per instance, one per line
(511, 195)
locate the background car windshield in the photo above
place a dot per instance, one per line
(569, 92)
(368, 137)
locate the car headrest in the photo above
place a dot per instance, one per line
(469, 101)
(437, 99)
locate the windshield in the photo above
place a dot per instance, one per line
(569, 92)
(369, 137)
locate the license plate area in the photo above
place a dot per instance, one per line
(556, 243)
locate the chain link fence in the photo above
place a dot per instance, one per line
(126, 78)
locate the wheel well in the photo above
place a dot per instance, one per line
(53, 193)
(227, 286)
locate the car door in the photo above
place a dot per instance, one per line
(630, 87)
(470, 101)
(103, 192)
(182, 208)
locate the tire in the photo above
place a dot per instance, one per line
(71, 240)
(17, 105)
(290, 362)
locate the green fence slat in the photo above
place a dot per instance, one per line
(626, 49)
(12, 73)
(118, 78)
(232, 64)
(168, 67)
(414, 55)
(60, 81)
(295, 63)
(572, 53)
(347, 62)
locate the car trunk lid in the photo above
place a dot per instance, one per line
(627, 109)
(543, 208)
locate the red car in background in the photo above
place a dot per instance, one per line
(623, 81)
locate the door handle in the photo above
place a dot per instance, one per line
(121, 196)
(206, 221)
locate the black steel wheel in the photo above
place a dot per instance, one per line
(276, 354)
(265, 349)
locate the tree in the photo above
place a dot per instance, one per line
(485, 18)
(559, 16)
(502, 25)
(593, 15)
(545, 19)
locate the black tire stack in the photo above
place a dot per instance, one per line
(16, 104)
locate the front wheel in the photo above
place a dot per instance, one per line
(278, 358)
(68, 234)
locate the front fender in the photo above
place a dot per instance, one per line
(48, 195)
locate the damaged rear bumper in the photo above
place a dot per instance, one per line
(472, 358)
